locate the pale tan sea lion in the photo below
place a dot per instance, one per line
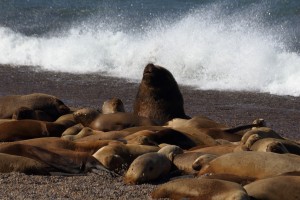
(218, 149)
(275, 188)
(158, 96)
(196, 122)
(119, 121)
(229, 177)
(203, 160)
(118, 157)
(250, 137)
(73, 130)
(255, 165)
(113, 105)
(36, 101)
(151, 166)
(195, 188)
(12, 163)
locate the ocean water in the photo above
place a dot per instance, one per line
(237, 45)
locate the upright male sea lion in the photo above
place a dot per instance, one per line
(36, 101)
(158, 96)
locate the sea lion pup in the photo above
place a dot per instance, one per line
(119, 121)
(36, 101)
(12, 163)
(250, 137)
(196, 121)
(62, 159)
(275, 188)
(28, 113)
(276, 145)
(196, 188)
(151, 166)
(112, 105)
(255, 165)
(158, 96)
(85, 116)
(166, 135)
(117, 157)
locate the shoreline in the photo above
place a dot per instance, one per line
(282, 113)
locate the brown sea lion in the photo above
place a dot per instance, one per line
(275, 188)
(85, 116)
(219, 149)
(254, 165)
(66, 120)
(113, 105)
(196, 188)
(166, 135)
(158, 96)
(118, 157)
(36, 101)
(12, 163)
(276, 145)
(73, 130)
(151, 166)
(119, 121)
(202, 161)
(62, 159)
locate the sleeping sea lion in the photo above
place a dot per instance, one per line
(36, 101)
(158, 96)
(196, 188)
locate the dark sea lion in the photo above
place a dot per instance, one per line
(158, 96)
(112, 105)
(28, 113)
(255, 165)
(275, 188)
(119, 121)
(36, 101)
(196, 188)
(12, 163)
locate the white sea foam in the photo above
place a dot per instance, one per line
(202, 49)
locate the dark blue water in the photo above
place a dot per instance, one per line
(210, 44)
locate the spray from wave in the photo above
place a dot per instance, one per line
(205, 48)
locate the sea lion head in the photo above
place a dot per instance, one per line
(113, 105)
(85, 116)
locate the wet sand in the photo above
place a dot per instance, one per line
(282, 113)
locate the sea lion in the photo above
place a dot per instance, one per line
(112, 105)
(275, 188)
(36, 101)
(64, 160)
(256, 165)
(202, 161)
(158, 96)
(196, 188)
(151, 166)
(219, 149)
(117, 157)
(276, 145)
(85, 116)
(73, 130)
(250, 137)
(196, 122)
(28, 113)
(166, 135)
(119, 121)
